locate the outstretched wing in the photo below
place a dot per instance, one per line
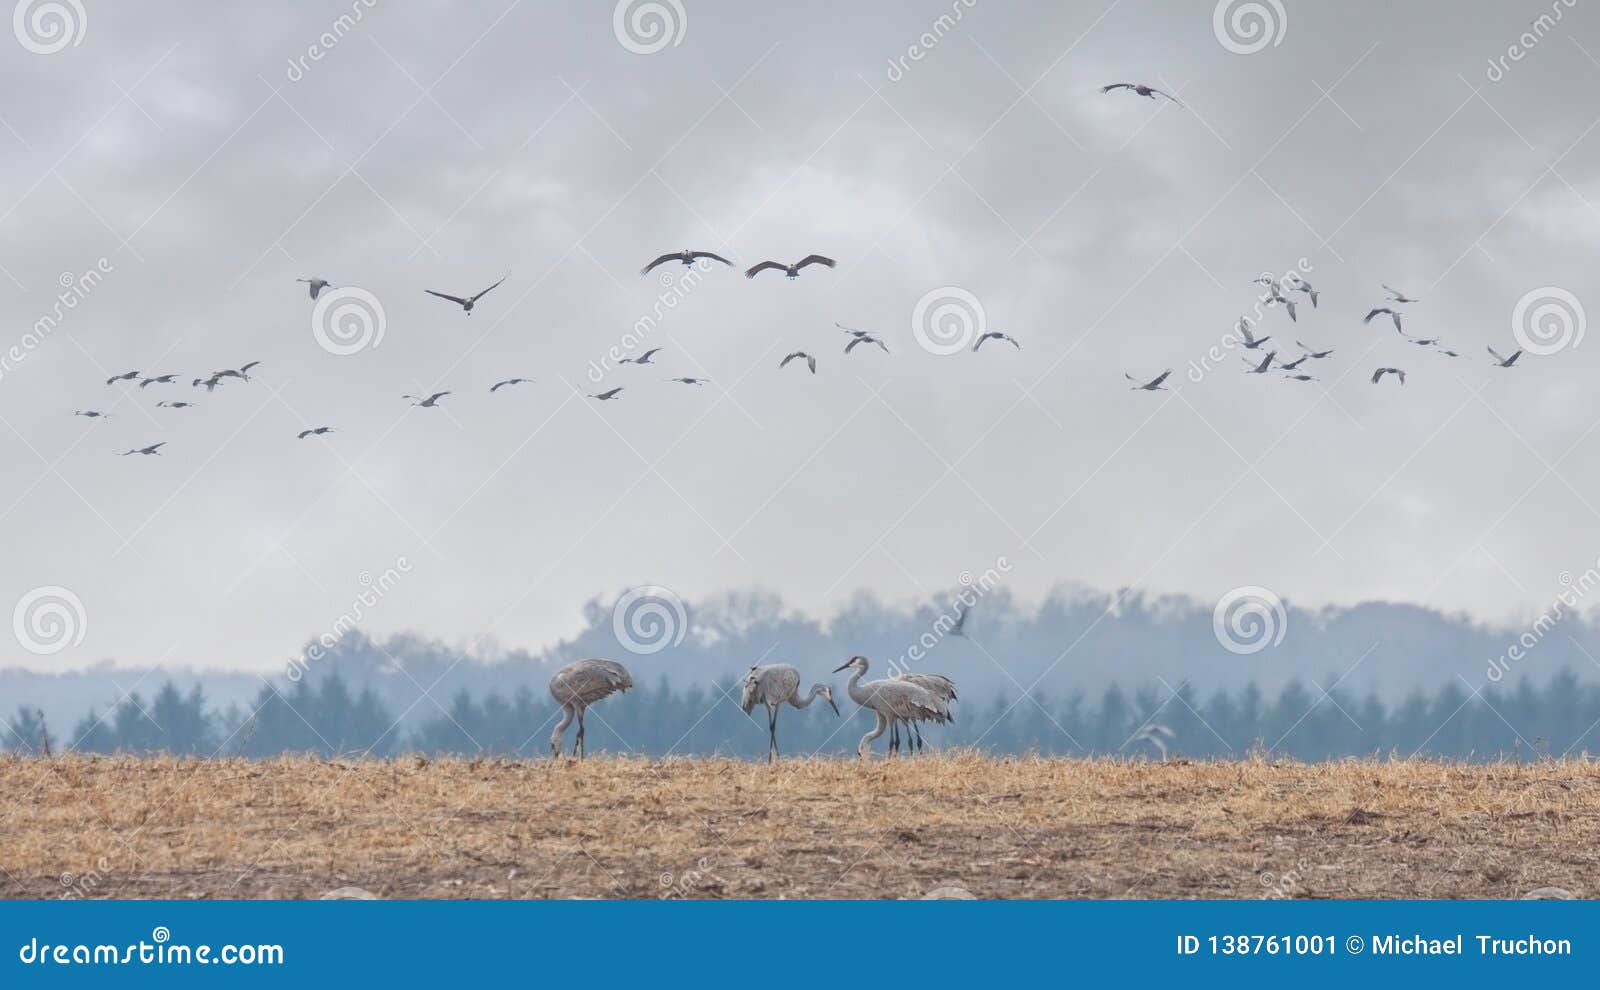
(752, 271)
(443, 295)
(647, 269)
(696, 255)
(491, 288)
(1107, 89)
(811, 363)
(1161, 378)
(814, 259)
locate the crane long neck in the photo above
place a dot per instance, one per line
(856, 694)
(800, 702)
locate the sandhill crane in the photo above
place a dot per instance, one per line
(1261, 369)
(1378, 310)
(425, 403)
(1141, 89)
(996, 335)
(89, 413)
(610, 393)
(811, 362)
(939, 686)
(1377, 376)
(314, 432)
(157, 380)
(154, 448)
(1395, 295)
(1314, 355)
(210, 384)
(773, 684)
(1279, 299)
(242, 372)
(1504, 362)
(793, 271)
(126, 376)
(470, 301)
(1295, 364)
(1250, 341)
(960, 626)
(1153, 385)
(641, 359)
(1300, 284)
(316, 284)
(686, 256)
(865, 338)
(689, 381)
(579, 685)
(174, 405)
(497, 386)
(892, 702)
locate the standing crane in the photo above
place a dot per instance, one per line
(892, 701)
(579, 685)
(939, 686)
(773, 684)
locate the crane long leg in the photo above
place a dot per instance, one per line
(918, 729)
(894, 736)
(772, 734)
(577, 747)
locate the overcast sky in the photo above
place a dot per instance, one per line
(210, 161)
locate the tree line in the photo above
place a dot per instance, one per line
(1524, 721)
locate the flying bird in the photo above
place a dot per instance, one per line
(209, 383)
(641, 359)
(810, 361)
(995, 335)
(1425, 341)
(1313, 354)
(429, 402)
(469, 302)
(686, 256)
(689, 381)
(497, 386)
(1504, 362)
(317, 432)
(242, 372)
(1384, 309)
(316, 284)
(126, 376)
(962, 610)
(1378, 375)
(1280, 299)
(772, 685)
(89, 413)
(154, 448)
(608, 394)
(1301, 285)
(174, 405)
(1153, 385)
(793, 271)
(579, 685)
(1266, 362)
(1295, 364)
(1395, 295)
(1300, 378)
(1143, 90)
(1250, 341)
(158, 380)
(865, 339)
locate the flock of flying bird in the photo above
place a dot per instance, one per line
(906, 699)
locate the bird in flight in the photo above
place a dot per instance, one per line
(960, 627)
(209, 383)
(1301, 285)
(242, 372)
(641, 359)
(158, 380)
(1247, 339)
(793, 271)
(1392, 314)
(471, 301)
(810, 361)
(1300, 378)
(1278, 298)
(1447, 352)
(154, 448)
(686, 256)
(317, 285)
(1395, 295)
(497, 386)
(316, 432)
(608, 394)
(1504, 362)
(1153, 385)
(1142, 90)
(861, 337)
(1378, 375)
(174, 405)
(126, 376)
(1314, 355)
(1425, 341)
(995, 335)
(689, 381)
(428, 403)
(89, 413)
(1266, 362)
(1295, 364)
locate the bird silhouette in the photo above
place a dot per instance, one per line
(158, 380)
(316, 284)
(154, 448)
(686, 256)
(793, 271)
(641, 359)
(126, 376)
(811, 362)
(1146, 91)
(608, 394)
(1378, 375)
(1504, 362)
(428, 403)
(689, 381)
(996, 335)
(1395, 295)
(470, 301)
(314, 432)
(1378, 310)
(497, 386)
(1153, 385)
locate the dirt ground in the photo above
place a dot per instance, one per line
(945, 825)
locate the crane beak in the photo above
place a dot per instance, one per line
(843, 666)
(833, 706)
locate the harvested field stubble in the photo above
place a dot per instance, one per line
(630, 827)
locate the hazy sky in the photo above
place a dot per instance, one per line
(210, 160)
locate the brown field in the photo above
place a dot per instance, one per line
(1001, 828)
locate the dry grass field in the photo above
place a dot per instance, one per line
(999, 828)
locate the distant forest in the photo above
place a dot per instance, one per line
(1300, 722)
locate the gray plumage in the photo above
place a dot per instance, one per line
(577, 686)
(892, 701)
(937, 685)
(773, 684)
